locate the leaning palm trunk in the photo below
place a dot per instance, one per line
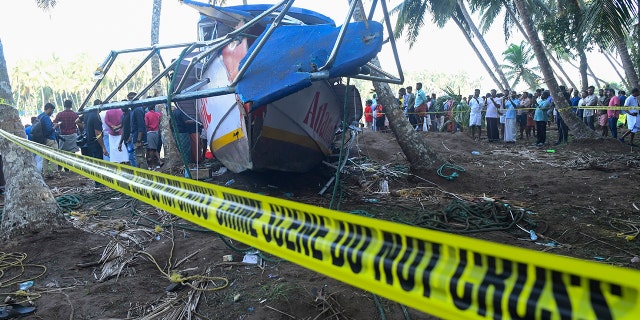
(615, 68)
(422, 159)
(577, 127)
(546, 50)
(477, 52)
(627, 63)
(29, 204)
(492, 58)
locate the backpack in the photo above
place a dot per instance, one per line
(37, 132)
(81, 140)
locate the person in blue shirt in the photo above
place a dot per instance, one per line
(575, 101)
(541, 117)
(511, 103)
(419, 103)
(27, 127)
(49, 130)
(622, 95)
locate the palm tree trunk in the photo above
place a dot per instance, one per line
(546, 50)
(477, 52)
(577, 127)
(583, 70)
(624, 80)
(516, 80)
(485, 46)
(627, 63)
(591, 73)
(29, 204)
(422, 158)
(171, 156)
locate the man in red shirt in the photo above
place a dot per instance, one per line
(613, 113)
(152, 121)
(68, 129)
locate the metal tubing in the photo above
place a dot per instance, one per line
(103, 68)
(130, 75)
(157, 78)
(196, 85)
(162, 99)
(392, 40)
(266, 36)
(338, 43)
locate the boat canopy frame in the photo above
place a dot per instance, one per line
(176, 92)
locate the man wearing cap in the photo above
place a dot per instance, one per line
(49, 130)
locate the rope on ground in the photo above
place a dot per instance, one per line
(69, 202)
(176, 277)
(13, 273)
(449, 166)
(462, 216)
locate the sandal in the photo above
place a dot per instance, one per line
(15, 310)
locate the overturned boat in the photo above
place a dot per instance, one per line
(265, 81)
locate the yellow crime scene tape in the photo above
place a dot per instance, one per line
(442, 274)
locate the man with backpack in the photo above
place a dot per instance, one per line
(44, 132)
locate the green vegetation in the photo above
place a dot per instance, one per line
(55, 80)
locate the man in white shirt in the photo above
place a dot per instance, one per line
(591, 101)
(476, 103)
(492, 118)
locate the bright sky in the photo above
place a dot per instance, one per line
(97, 27)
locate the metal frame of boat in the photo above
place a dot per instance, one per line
(249, 124)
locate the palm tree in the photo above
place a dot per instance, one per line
(168, 142)
(490, 10)
(422, 158)
(614, 20)
(24, 183)
(517, 58)
(462, 24)
(577, 127)
(463, 9)
(411, 15)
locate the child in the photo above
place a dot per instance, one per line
(531, 124)
(368, 114)
(602, 121)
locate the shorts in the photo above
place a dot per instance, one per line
(153, 140)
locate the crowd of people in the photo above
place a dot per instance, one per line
(121, 135)
(510, 116)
